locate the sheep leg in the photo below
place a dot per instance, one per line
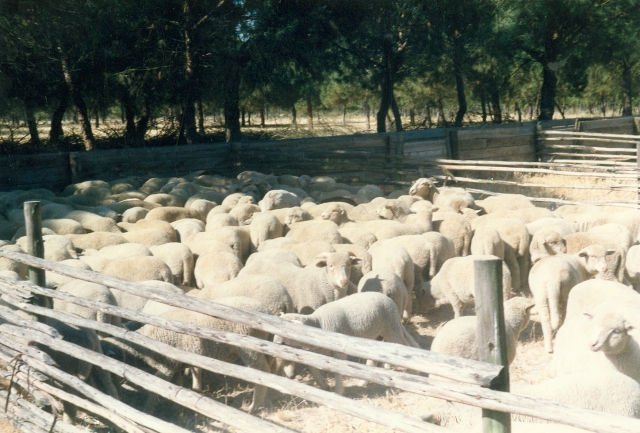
(259, 362)
(196, 379)
(542, 305)
(339, 387)
(458, 307)
(512, 262)
(320, 380)
(524, 266)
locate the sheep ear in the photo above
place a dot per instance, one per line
(431, 418)
(610, 252)
(530, 306)
(564, 242)
(356, 261)
(583, 253)
(435, 208)
(588, 316)
(321, 260)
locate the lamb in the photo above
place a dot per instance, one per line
(96, 240)
(357, 270)
(166, 367)
(551, 279)
(487, 241)
(561, 226)
(179, 259)
(387, 282)
(458, 337)
(139, 269)
(54, 280)
(278, 199)
(455, 227)
(597, 341)
(93, 291)
(389, 255)
(264, 226)
(92, 222)
(267, 290)
(172, 213)
(516, 240)
(186, 228)
(315, 231)
(357, 236)
(244, 212)
(366, 315)
(275, 254)
(607, 391)
(455, 285)
(56, 247)
(590, 294)
(545, 243)
(145, 224)
(216, 267)
(311, 286)
(134, 214)
(443, 248)
(615, 262)
(422, 253)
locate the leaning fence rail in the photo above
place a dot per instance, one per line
(474, 373)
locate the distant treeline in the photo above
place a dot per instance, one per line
(437, 61)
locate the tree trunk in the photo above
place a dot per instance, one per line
(427, 117)
(294, 116)
(81, 107)
(96, 111)
(483, 105)
(242, 116)
(143, 122)
(309, 113)
(232, 104)
(262, 117)
(56, 133)
(519, 111)
(547, 93)
(249, 117)
(188, 119)
(386, 94)
(200, 117)
(627, 90)
(458, 59)
(412, 117)
(441, 115)
(344, 115)
(129, 115)
(367, 114)
(396, 113)
(31, 120)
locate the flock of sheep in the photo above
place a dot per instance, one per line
(351, 260)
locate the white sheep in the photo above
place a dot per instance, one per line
(632, 267)
(134, 214)
(92, 222)
(307, 252)
(121, 251)
(54, 280)
(56, 247)
(278, 199)
(357, 270)
(551, 279)
(243, 212)
(504, 201)
(615, 261)
(275, 254)
(64, 226)
(607, 391)
(262, 227)
(202, 206)
(366, 315)
(357, 236)
(179, 259)
(422, 253)
(216, 267)
(444, 248)
(146, 224)
(487, 241)
(315, 231)
(387, 282)
(186, 228)
(455, 227)
(311, 286)
(139, 268)
(458, 337)
(88, 290)
(148, 237)
(561, 226)
(164, 199)
(96, 240)
(389, 255)
(545, 243)
(590, 294)
(267, 290)
(172, 213)
(455, 285)
(595, 341)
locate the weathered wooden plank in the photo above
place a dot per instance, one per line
(413, 358)
(621, 125)
(496, 132)
(486, 143)
(495, 153)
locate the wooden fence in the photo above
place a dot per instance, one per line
(30, 370)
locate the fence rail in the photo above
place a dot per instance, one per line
(475, 373)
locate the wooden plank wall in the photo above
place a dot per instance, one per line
(621, 125)
(513, 142)
(150, 161)
(44, 170)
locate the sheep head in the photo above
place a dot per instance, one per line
(338, 267)
(610, 334)
(593, 257)
(424, 187)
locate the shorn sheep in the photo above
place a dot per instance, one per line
(366, 315)
(553, 277)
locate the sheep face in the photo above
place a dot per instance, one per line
(610, 334)
(424, 188)
(593, 258)
(554, 244)
(424, 300)
(338, 267)
(334, 213)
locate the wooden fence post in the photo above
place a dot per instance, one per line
(35, 246)
(492, 342)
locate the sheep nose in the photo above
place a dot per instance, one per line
(343, 283)
(593, 345)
